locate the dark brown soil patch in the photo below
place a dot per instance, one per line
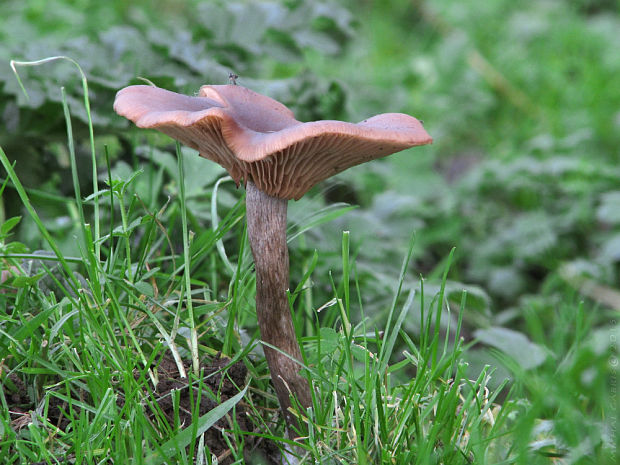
(221, 377)
(225, 381)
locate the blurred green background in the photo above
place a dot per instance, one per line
(522, 99)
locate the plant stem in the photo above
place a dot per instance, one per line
(266, 217)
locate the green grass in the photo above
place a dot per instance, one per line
(503, 351)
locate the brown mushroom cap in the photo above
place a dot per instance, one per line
(257, 138)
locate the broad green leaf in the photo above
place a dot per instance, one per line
(514, 344)
(9, 224)
(330, 340)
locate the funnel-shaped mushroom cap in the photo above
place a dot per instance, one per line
(257, 138)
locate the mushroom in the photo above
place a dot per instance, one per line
(260, 143)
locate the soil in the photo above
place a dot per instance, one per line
(219, 377)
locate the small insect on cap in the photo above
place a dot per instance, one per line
(257, 138)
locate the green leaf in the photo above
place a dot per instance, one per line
(26, 281)
(514, 344)
(477, 299)
(120, 229)
(9, 224)
(609, 209)
(144, 288)
(329, 340)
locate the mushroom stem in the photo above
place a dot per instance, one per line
(266, 219)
